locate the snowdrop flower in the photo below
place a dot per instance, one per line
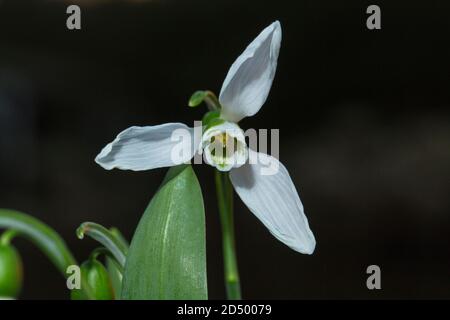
(272, 198)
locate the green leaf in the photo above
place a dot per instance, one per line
(44, 237)
(106, 238)
(167, 256)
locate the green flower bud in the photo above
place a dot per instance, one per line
(11, 272)
(96, 276)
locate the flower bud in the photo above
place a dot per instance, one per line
(95, 275)
(11, 272)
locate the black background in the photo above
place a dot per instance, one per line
(363, 115)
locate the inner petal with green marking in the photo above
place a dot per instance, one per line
(224, 146)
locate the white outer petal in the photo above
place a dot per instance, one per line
(250, 77)
(145, 148)
(275, 201)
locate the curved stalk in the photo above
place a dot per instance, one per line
(108, 256)
(211, 101)
(44, 237)
(206, 96)
(7, 236)
(106, 238)
(114, 270)
(119, 236)
(224, 191)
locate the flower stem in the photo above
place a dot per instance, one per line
(104, 251)
(44, 237)
(106, 238)
(7, 236)
(224, 191)
(211, 101)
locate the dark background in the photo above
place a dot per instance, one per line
(363, 115)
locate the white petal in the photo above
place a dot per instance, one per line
(275, 201)
(249, 79)
(144, 148)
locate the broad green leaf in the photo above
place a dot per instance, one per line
(167, 256)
